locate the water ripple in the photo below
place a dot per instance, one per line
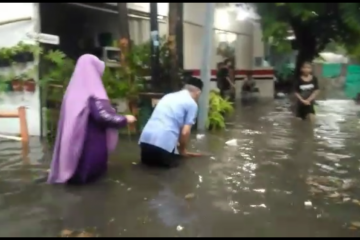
(283, 178)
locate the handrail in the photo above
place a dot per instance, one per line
(21, 114)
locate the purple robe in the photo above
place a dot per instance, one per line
(94, 156)
(73, 126)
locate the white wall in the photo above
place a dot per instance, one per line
(11, 34)
(246, 37)
(225, 27)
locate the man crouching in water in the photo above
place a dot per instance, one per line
(169, 124)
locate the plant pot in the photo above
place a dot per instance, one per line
(29, 85)
(17, 85)
(24, 57)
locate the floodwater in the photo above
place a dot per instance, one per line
(284, 178)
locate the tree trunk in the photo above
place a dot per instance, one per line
(305, 43)
(124, 34)
(174, 67)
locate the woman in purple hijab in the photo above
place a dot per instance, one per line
(88, 126)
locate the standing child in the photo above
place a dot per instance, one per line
(306, 90)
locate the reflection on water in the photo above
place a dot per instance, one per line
(283, 178)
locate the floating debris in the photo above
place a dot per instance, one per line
(179, 228)
(356, 201)
(84, 234)
(348, 184)
(258, 206)
(260, 190)
(355, 224)
(308, 204)
(66, 233)
(335, 195)
(189, 196)
(232, 142)
(70, 233)
(200, 136)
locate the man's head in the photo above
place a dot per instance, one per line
(306, 68)
(227, 63)
(194, 86)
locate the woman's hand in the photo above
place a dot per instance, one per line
(130, 118)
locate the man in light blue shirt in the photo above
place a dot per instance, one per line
(170, 124)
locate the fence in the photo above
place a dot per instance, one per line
(337, 81)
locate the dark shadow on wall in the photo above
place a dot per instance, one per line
(77, 27)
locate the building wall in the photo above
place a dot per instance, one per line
(11, 34)
(246, 38)
(245, 35)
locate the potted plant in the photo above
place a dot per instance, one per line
(17, 85)
(14, 80)
(29, 85)
(4, 84)
(23, 53)
(219, 108)
(5, 56)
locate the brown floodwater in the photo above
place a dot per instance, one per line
(282, 178)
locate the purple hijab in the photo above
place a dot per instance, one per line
(85, 82)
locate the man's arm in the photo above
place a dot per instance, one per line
(186, 129)
(230, 82)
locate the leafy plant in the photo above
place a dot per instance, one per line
(57, 67)
(118, 85)
(130, 80)
(218, 109)
(138, 65)
(285, 73)
(57, 71)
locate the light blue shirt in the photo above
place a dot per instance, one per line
(171, 113)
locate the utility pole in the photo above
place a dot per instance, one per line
(205, 68)
(155, 58)
(174, 67)
(180, 35)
